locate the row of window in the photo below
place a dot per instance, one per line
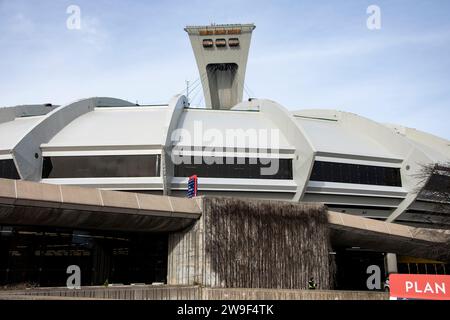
(356, 173)
(149, 166)
(220, 43)
(101, 166)
(438, 182)
(212, 167)
(244, 168)
(424, 268)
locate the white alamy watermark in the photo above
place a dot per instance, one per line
(374, 280)
(232, 146)
(74, 280)
(374, 20)
(73, 22)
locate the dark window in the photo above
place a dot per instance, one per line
(355, 173)
(364, 174)
(101, 166)
(208, 43)
(346, 173)
(380, 175)
(233, 42)
(403, 268)
(236, 168)
(372, 175)
(437, 182)
(413, 268)
(441, 268)
(318, 171)
(422, 268)
(338, 172)
(220, 43)
(8, 170)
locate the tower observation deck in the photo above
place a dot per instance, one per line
(221, 52)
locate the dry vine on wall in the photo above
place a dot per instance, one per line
(267, 244)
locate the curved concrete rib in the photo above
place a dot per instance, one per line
(413, 158)
(175, 109)
(27, 152)
(304, 153)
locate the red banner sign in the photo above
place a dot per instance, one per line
(420, 286)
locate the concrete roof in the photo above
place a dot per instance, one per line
(15, 130)
(435, 147)
(223, 120)
(108, 126)
(332, 136)
(115, 126)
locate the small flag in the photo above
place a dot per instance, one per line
(192, 186)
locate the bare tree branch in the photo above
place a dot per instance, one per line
(434, 187)
(436, 180)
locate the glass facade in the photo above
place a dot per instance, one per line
(40, 256)
(101, 166)
(356, 173)
(235, 168)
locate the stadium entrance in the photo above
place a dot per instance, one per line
(35, 256)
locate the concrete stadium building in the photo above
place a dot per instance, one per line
(356, 167)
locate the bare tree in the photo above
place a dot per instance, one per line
(435, 178)
(435, 188)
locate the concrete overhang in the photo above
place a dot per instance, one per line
(39, 204)
(31, 203)
(352, 231)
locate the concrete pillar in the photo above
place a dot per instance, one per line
(391, 263)
(166, 172)
(188, 263)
